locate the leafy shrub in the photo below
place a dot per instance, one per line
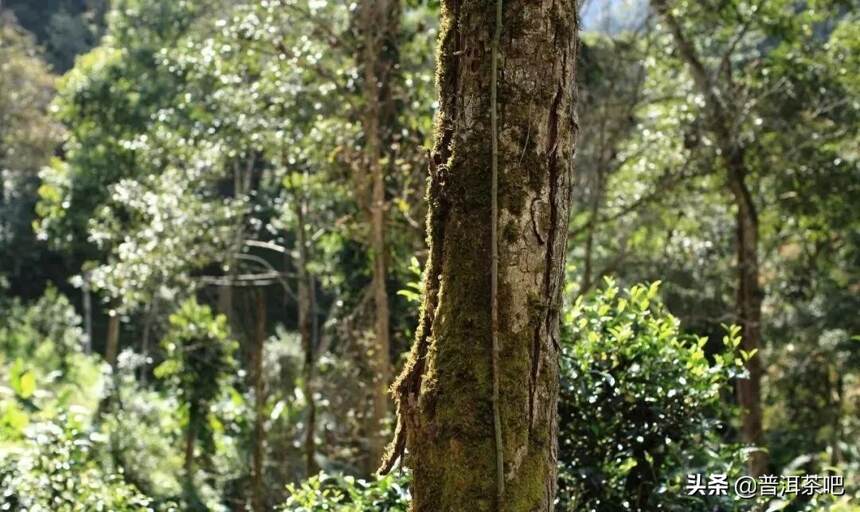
(51, 320)
(58, 470)
(638, 404)
(347, 494)
(199, 365)
(42, 367)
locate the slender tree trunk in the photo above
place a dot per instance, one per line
(2, 184)
(111, 351)
(144, 342)
(748, 303)
(837, 395)
(190, 441)
(257, 499)
(88, 314)
(445, 394)
(593, 219)
(749, 295)
(112, 344)
(190, 487)
(377, 19)
(225, 299)
(306, 331)
(242, 179)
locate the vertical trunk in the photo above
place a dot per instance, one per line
(748, 304)
(112, 344)
(191, 431)
(88, 315)
(190, 438)
(144, 342)
(377, 71)
(242, 178)
(259, 403)
(2, 189)
(836, 457)
(749, 293)
(445, 393)
(305, 305)
(225, 298)
(593, 214)
(111, 351)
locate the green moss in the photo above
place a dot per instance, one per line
(451, 443)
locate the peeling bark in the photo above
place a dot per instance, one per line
(444, 394)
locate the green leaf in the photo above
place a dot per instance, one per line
(27, 385)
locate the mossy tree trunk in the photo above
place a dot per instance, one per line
(445, 395)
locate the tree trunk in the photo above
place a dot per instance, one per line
(88, 314)
(190, 438)
(191, 431)
(306, 331)
(749, 295)
(257, 500)
(144, 342)
(593, 218)
(377, 70)
(2, 190)
(225, 299)
(748, 303)
(445, 393)
(112, 343)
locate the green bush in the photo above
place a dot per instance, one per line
(58, 470)
(348, 494)
(638, 405)
(199, 365)
(42, 367)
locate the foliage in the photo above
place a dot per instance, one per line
(104, 102)
(28, 136)
(339, 493)
(59, 470)
(653, 202)
(639, 403)
(42, 363)
(65, 28)
(198, 362)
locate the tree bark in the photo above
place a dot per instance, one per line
(306, 331)
(444, 395)
(257, 499)
(378, 21)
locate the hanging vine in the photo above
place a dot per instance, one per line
(494, 264)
